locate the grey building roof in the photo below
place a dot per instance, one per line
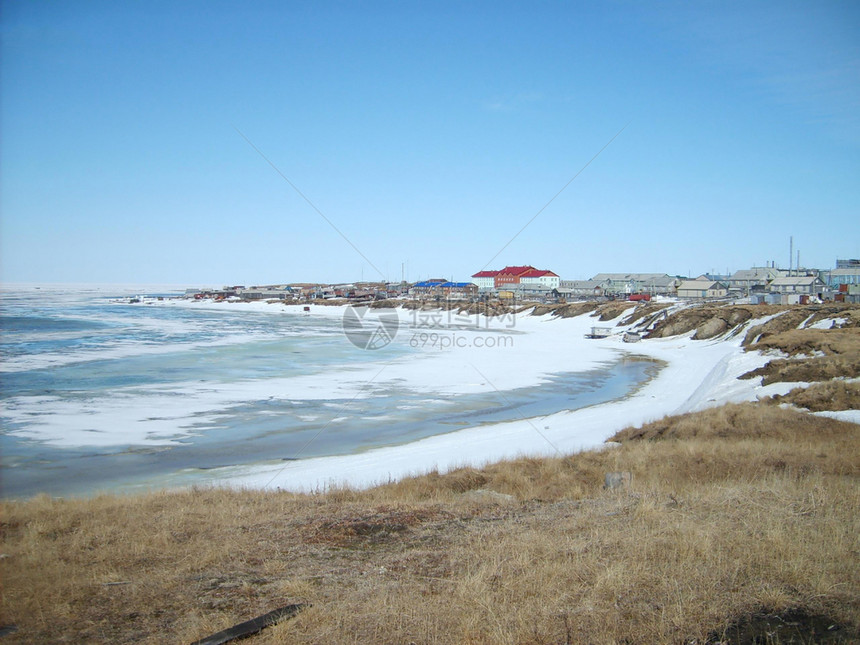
(581, 284)
(756, 274)
(700, 285)
(638, 277)
(800, 280)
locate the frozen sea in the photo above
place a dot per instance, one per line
(102, 394)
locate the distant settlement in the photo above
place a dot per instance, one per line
(525, 283)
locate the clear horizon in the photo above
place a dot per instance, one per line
(204, 143)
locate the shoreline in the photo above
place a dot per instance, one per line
(125, 420)
(693, 375)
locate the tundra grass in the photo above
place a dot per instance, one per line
(731, 512)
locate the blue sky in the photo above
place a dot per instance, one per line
(428, 134)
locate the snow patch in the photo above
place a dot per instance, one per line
(829, 323)
(852, 416)
(697, 375)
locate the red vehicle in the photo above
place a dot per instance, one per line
(639, 297)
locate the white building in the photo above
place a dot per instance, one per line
(544, 278)
(486, 280)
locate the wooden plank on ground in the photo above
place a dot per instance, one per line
(252, 626)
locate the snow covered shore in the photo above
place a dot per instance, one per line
(696, 375)
(169, 392)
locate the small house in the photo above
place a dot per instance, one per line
(806, 284)
(701, 289)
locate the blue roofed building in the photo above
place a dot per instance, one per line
(444, 288)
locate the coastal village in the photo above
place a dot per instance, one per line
(759, 285)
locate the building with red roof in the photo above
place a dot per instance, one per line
(545, 278)
(485, 279)
(511, 275)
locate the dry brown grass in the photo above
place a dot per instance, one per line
(808, 342)
(742, 421)
(613, 309)
(832, 395)
(791, 318)
(646, 313)
(825, 354)
(819, 368)
(730, 511)
(569, 310)
(709, 320)
(712, 320)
